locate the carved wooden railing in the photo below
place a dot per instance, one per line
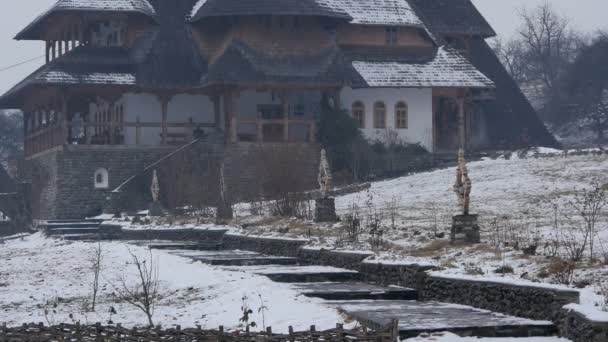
(281, 126)
(108, 133)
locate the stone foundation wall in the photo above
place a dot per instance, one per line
(252, 170)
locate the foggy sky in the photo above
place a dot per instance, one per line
(588, 15)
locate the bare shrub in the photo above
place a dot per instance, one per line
(376, 233)
(144, 295)
(353, 223)
(562, 271)
(603, 289)
(95, 261)
(589, 205)
(392, 210)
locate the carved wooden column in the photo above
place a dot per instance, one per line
(462, 123)
(285, 103)
(217, 111)
(65, 130)
(230, 116)
(164, 102)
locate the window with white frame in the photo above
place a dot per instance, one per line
(358, 112)
(379, 115)
(101, 179)
(401, 115)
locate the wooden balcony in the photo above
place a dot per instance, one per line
(273, 130)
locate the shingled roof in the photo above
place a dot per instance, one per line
(379, 12)
(452, 17)
(84, 66)
(33, 30)
(219, 8)
(447, 69)
(241, 64)
(166, 55)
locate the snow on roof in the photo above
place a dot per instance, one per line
(378, 12)
(62, 77)
(142, 6)
(447, 69)
(32, 31)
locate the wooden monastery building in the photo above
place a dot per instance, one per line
(127, 83)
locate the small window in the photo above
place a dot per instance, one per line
(391, 35)
(379, 115)
(101, 179)
(401, 115)
(358, 112)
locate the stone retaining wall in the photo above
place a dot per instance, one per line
(518, 300)
(191, 235)
(278, 247)
(578, 328)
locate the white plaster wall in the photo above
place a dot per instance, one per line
(420, 112)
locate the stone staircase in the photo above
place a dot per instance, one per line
(81, 230)
(345, 290)
(373, 305)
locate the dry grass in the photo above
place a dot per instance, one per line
(432, 249)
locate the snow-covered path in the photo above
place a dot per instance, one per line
(38, 274)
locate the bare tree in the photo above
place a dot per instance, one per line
(145, 294)
(549, 44)
(513, 56)
(95, 260)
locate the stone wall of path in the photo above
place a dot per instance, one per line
(534, 302)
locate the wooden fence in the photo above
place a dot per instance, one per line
(110, 333)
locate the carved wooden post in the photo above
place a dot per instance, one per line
(461, 123)
(464, 226)
(64, 119)
(137, 131)
(312, 134)
(260, 128)
(164, 100)
(217, 113)
(285, 104)
(47, 51)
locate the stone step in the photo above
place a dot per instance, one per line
(426, 317)
(72, 231)
(179, 245)
(86, 237)
(355, 291)
(236, 258)
(55, 226)
(301, 274)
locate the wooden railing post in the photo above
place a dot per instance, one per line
(312, 134)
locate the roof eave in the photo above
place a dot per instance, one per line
(30, 31)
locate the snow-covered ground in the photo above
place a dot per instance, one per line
(449, 337)
(519, 198)
(38, 275)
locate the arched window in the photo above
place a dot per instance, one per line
(379, 115)
(358, 112)
(101, 179)
(401, 115)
